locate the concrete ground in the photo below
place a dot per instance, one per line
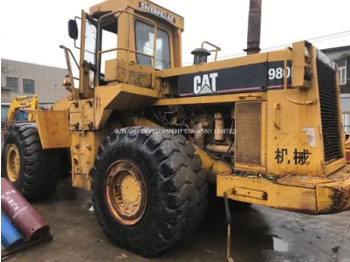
(258, 234)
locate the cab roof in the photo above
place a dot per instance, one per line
(143, 6)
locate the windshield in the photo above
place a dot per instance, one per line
(144, 44)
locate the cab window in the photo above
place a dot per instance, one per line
(144, 43)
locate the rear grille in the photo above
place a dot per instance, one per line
(248, 136)
(329, 112)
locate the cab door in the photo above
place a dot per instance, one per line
(87, 69)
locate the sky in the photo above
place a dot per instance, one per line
(31, 31)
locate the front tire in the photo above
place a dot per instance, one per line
(149, 189)
(31, 169)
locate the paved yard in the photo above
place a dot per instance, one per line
(259, 234)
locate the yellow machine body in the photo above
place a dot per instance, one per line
(22, 103)
(277, 155)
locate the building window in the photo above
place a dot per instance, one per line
(12, 83)
(28, 86)
(342, 75)
(4, 111)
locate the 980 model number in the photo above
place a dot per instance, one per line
(277, 73)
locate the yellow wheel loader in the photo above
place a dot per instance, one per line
(17, 110)
(17, 114)
(148, 135)
(22, 103)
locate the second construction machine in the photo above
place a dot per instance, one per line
(147, 135)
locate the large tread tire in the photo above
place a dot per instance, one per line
(176, 189)
(40, 169)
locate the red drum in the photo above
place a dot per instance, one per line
(22, 215)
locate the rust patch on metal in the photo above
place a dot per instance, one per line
(340, 199)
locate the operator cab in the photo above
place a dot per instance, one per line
(126, 41)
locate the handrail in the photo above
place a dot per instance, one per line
(125, 49)
(216, 50)
(128, 50)
(68, 53)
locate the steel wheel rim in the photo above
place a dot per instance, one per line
(125, 192)
(13, 163)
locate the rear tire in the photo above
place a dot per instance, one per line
(31, 169)
(175, 189)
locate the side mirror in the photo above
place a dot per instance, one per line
(73, 29)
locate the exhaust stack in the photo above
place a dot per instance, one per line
(254, 26)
